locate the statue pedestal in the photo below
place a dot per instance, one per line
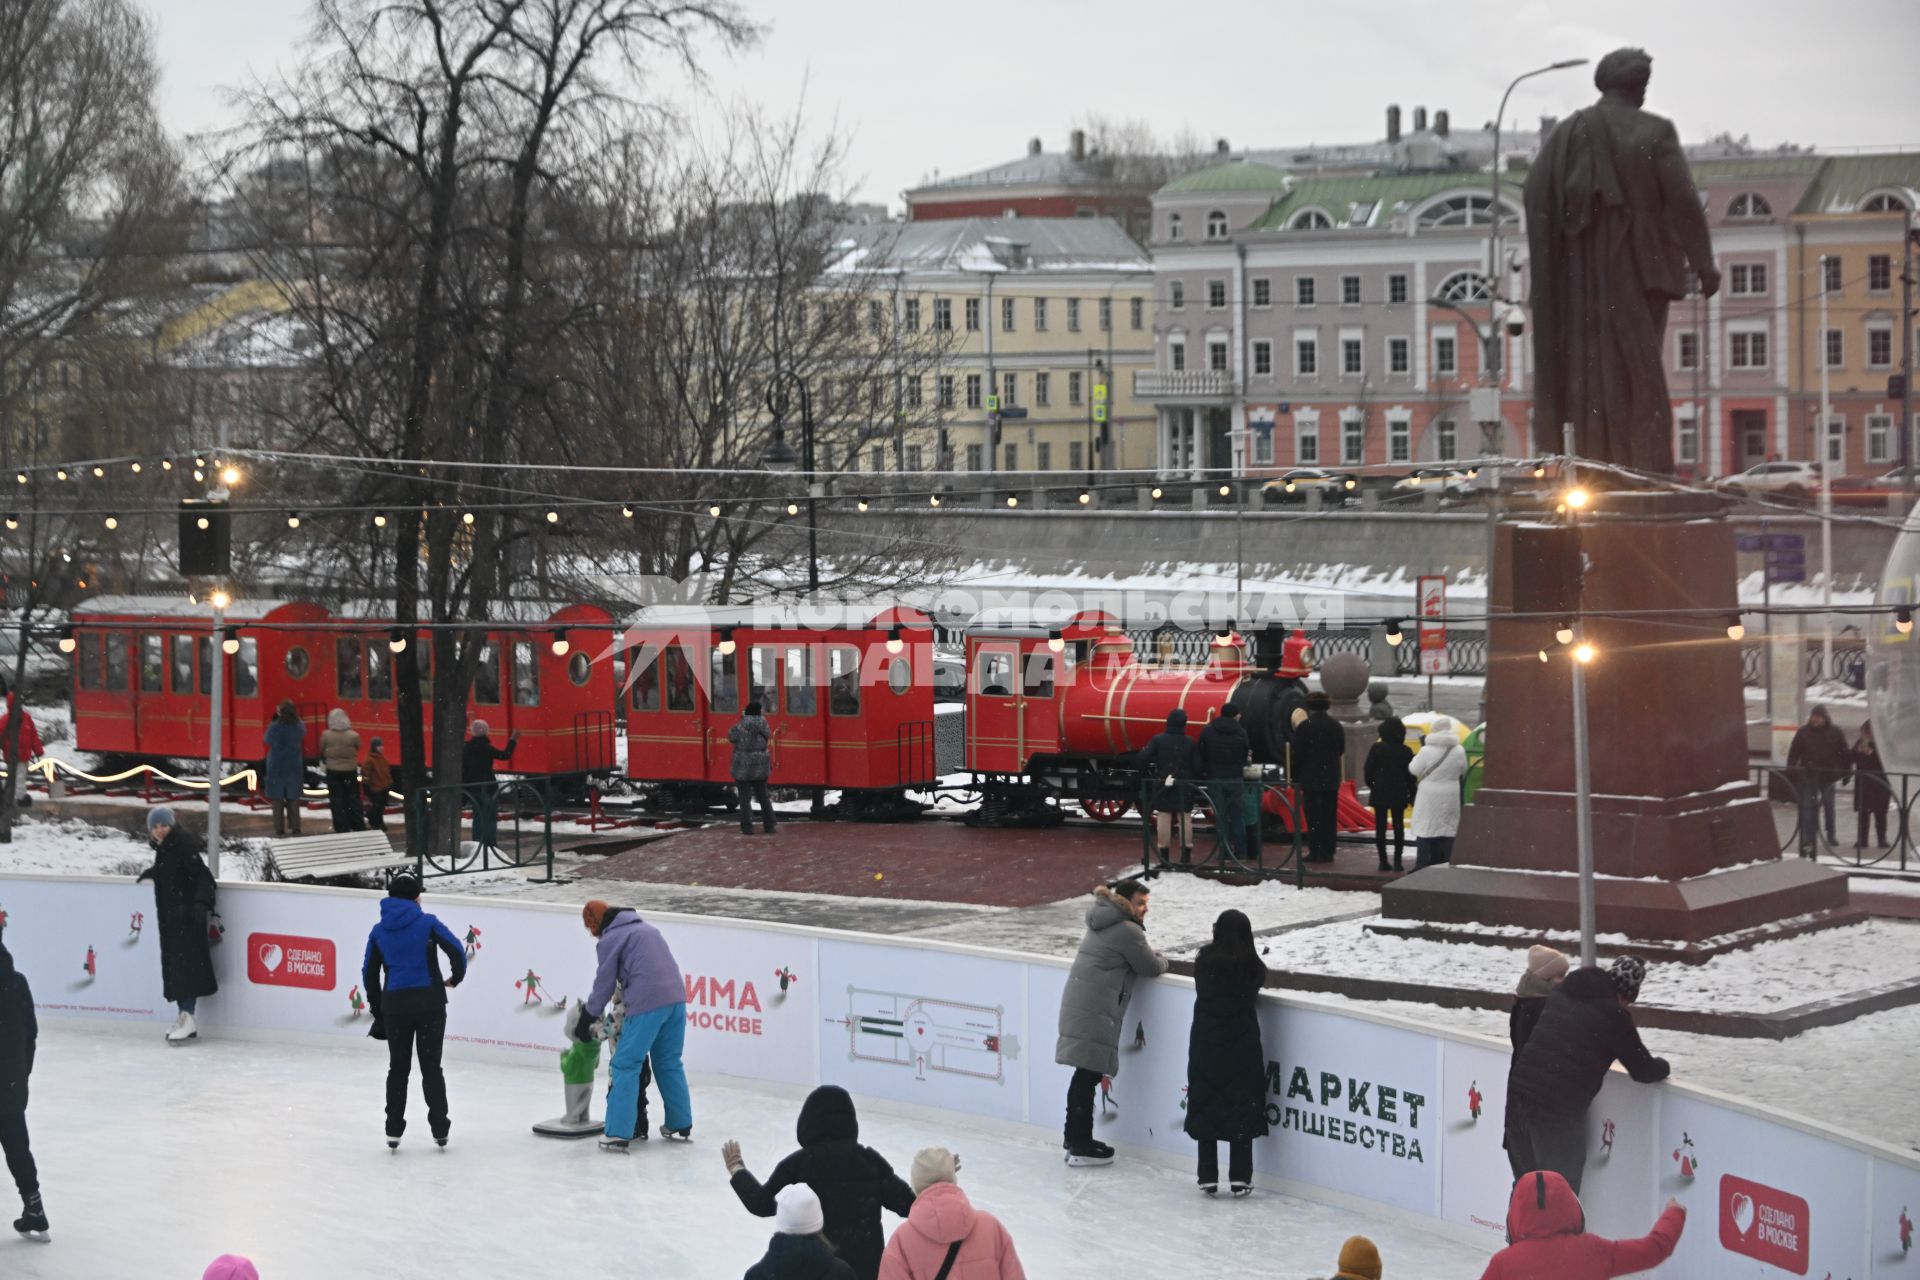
(1683, 840)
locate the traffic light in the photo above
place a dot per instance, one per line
(206, 549)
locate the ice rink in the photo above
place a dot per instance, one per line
(154, 1160)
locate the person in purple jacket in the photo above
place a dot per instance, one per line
(633, 954)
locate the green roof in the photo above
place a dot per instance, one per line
(1337, 196)
(1729, 168)
(1846, 181)
(1236, 175)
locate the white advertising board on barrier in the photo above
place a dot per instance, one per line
(1364, 1105)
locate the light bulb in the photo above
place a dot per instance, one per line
(199, 461)
(136, 468)
(933, 499)
(1085, 497)
(793, 508)
(230, 475)
(61, 474)
(231, 644)
(1158, 493)
(860, 505)
(1288, 486)
(626, 512)
(1393, 634)
(727, 646)
(293, 519)
(1351, 483)
(98, 472)
(166, 464)
(714, 510)
(1056, 644)
(895, 644)
(21, 476)
(202, 522)
(1736, 630)
(466, 517)
(1543, 655)
(1584, 653)
(379, 521)
(1226, 491)
(553, 517)
(1012, 501)
(1577, 498)
(1903, 620)
(396, 641)
(13, 521)
(560, 643)
(197, 474)
(68, 644)
(1539, 473)
(1564, 633)
(112, 522)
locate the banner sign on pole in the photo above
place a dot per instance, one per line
(1433, 626)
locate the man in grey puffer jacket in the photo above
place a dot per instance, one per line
(1094, 1005)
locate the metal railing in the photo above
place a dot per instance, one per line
(1784, 788)
(523, 821)
(1206, 383)
(1246, 853)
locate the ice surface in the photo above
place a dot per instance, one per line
(155, 1160)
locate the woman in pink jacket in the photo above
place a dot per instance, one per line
(1549, 1235)
(945, 1237)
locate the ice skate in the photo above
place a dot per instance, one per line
(678, 1135)
(1087, 1153)
(1241, 1190)
(1210, 1188)
(33, 1218)
(614, 1144)
(183, 1030)
(393, 1142)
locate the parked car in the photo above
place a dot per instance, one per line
(1786, 479)
(1451, 482)
(1295, 485)
(1869, 491)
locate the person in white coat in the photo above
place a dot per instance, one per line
(1439, 765)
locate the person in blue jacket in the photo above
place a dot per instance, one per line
(286, 740)
(409, 1000)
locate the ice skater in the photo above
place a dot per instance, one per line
(183, 898)
(1226, 1067)
(1549, 1235)
(19, 1032)
(633, 955)
(945, 1233)
(854, 1182)
(408, 997)
(798, 1250)
(1114, 952)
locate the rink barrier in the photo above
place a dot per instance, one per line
(1364, 1106)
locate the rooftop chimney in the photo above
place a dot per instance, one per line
(1220, 147)
(1393, 124)
(1033, 146)
(1419, 119)
(1079, 149)
(1440, 123)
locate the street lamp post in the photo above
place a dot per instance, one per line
(780, 457)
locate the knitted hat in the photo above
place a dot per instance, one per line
(796, 1211)
(478, 729)
(593, 913)
(1359, 1260)
(1545, 968)
(405, 884)
(159, 816)
(230, 1266)
(1627, 973)
(376, 743)
(1318, 701)
(931, 1165)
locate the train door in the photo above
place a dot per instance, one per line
(240, 712)
(723, 708)
(1039, 701)
(183, 689)
(682, 722)
(153, 735)
(994, 726)
(801, 728)
(847, 754)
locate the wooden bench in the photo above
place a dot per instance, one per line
(338, 854)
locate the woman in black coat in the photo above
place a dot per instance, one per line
(854, 1183)
(1168, 768)
(1226, 1066)
(1390, 788)
(1871, 794)
(19, 1032)
(183, 898)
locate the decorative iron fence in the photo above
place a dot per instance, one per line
(1853, 818)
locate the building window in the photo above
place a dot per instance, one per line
(1306, 356)
(1749, 204)
(1353, 440)
(1006, 315)
(1350, 291)
(1446, 356)
(976, 457)
(1073, 388)
(973, 391)
(1216, 294)
(1446, 446)
(973, 315)
(1217, 355)
(876, 319)
(1262, 292)
(876, 396)
(1039, 315)
(1687, 448)
(943, 315)
(913, 457)
(1879, 273)
(1462, 211)
(1883, 202)
(1106, 315)
(1136, 314)
(1836, 442)
(946, 391)
(1263, 444)
(1173, 226)
(1009, 388)
(1042, 389)
(1043, 456)
(1749, 350)
(1833, 353)
(1176, 358)
(1687, 349)
(1310, 220)
(1464, 286)
(1879, 348)
(1399, 439)
(1396, 288)
(911, 315)
(1216, 225)
(1013, 457)
(1830, 274)
(1303, 291)
(1879, 437)
(1073, 314)
(1353, 361)
(1176, 295)
(913, 392)
(1263, 357)
(1748, 278)
(1306, 440)
(1399, 355)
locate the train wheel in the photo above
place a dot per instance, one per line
(1105, 808)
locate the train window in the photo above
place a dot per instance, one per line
(899, 675)
(116, 662)
(486, 675)
(203, 647)
(802, 699)
(91, 674)
(579, 669)
(843, 681)
(379, 671)
(526, 675)
(646, 681)
(246, 668)
(679, 679)
(299, 662)
(152, 663)
(723, 688)
(182, 648)
(762, 680)
(1037, 679)
(348, 677)
(996, 674)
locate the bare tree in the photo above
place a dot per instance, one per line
(1132, 152)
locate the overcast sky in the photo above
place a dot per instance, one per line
(922, 87)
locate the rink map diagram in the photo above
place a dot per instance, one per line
(925, 1034)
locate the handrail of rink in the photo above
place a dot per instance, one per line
(1367, 1109)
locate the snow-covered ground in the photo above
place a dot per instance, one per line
(68, 846)
(282, 1145)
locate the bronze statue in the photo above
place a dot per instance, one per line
(1614, 230)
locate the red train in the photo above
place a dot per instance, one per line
(1050, 714)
